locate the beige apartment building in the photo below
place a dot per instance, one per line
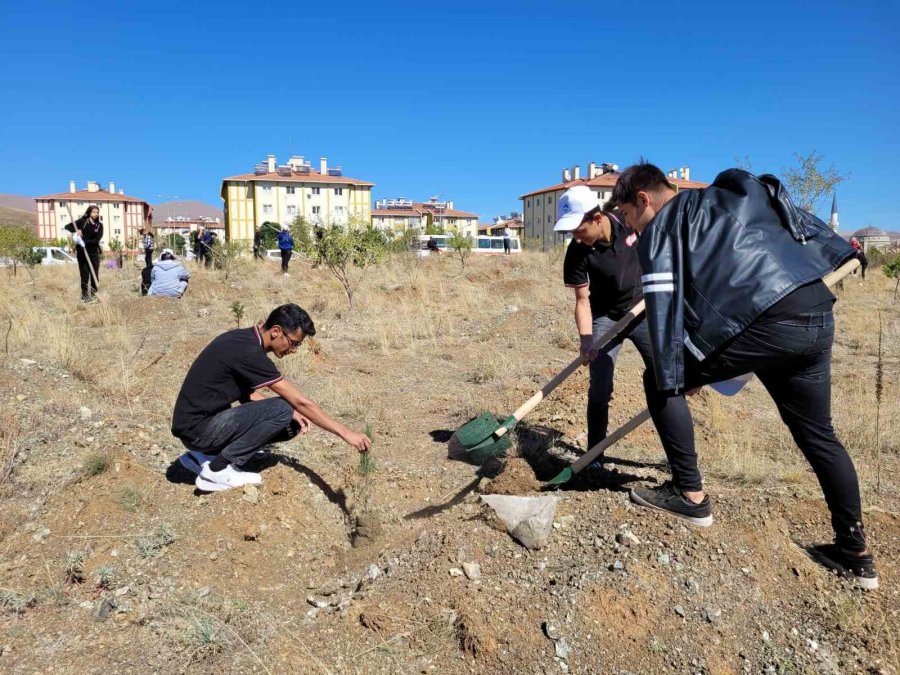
(539, 206)
(278, 193)
(398, 215)
(122, 216)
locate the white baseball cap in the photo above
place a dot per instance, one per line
(571, 207)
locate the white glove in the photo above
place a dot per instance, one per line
(79, 241)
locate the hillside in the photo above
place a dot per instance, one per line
(110, 562)
(9, 216)
(20, 202)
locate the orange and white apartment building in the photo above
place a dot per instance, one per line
(395, 216)
(122, 216)
(539, 211)
(278, 193)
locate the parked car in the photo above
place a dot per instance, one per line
(50, 255)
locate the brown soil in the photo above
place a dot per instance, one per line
(309, 574)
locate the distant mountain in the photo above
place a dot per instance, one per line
(17, 217)
(191, 208)
(20, 202)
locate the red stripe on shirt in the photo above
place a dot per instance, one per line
(269, 383)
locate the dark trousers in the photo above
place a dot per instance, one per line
(285, 259)
(792, 359)
(602, 370)
(506, 245)
(148, 257)
(88, 285)
(237, 433)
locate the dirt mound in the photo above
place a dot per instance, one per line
(516, 478)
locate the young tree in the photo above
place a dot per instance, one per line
(892, 271)
(461, 245)
(16, 245)
(348, 253)
(268, 233)
(300, 231)
(808, 183)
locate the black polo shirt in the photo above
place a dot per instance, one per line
(229, 369)
(611, 269)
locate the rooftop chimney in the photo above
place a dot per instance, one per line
(270, 163)
(567, 175)
(121, 192)
(576, 172)
(685, 173)
(296, 161)
(112, 188)
(592, 170)
(323, 166)
(93, 186)
(72, 186)
(672, 173)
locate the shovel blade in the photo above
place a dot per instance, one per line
(477, 431)
(562, 477)
(488, 449)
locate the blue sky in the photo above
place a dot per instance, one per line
(478, 102)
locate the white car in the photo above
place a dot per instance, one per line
(53, 255)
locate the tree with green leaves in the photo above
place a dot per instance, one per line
(461, 245)
(348, 253)
(16, 246)
(809, 183)
(892, 271)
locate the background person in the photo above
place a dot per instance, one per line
(507, 243)
(286, 246)
(88, 231)
(234, 367)
(732, 278)
(149, 243)
(168, 277)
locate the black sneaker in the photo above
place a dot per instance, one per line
(860, 569)
(668, 498)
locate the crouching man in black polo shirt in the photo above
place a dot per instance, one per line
(235, 367)
(602, 265)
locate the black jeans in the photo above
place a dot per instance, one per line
(237, 433)
(148, 257)
(88, 285)
(792, 359)
(285, 259)
(602, 370)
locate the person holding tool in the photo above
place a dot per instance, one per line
(88, 232)
(235, 367)
(602, 267)
(732, 280)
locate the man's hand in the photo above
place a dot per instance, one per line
(588, 350)
(359, 441)
(302, 421)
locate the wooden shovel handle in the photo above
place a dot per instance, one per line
(603, 342)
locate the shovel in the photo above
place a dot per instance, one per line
(726, 388)
(484, 437)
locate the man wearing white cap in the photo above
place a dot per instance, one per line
(602, 266)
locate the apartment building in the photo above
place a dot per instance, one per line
(539, 206)
(278, 193)
(398, 215)
(122, 216)
(513, 222)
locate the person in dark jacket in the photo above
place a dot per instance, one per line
(88, 231)
(732, 282)
(206, 243)
(286, 246)
(257, 245)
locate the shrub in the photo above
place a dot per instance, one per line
(150, 545)
(348, 253)
(94, 464)
(461, 245)
(16, 244)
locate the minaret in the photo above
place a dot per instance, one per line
(834, 214)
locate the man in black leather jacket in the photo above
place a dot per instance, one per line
(732, 282)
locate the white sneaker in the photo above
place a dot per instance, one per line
(229, 477)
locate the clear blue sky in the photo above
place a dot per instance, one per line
(479, 102)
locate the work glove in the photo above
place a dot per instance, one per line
(78, 241)
(588, 350)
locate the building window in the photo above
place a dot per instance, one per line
(116, 219)
(316, 191)
(550, 199)
(267, 188)
(338, 192)
(62, 205)
(249, 193)
(338, 211)
(267, 209)
(291, 189)
(291, 210)
(118, 231)
(116, 205)
(316, 210)
(528, 203)
(537, 201)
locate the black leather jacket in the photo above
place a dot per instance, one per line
(714, 259)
